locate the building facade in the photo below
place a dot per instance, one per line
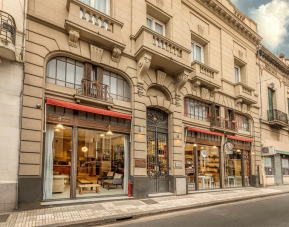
(143, 91)
(12, 16)
(274, 116)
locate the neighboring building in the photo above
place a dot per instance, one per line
(274, 116)
(147, 91)
(12, 14)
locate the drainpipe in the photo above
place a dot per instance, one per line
(21, 101)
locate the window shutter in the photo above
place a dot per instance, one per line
(99, 77)
(270, 99)
(232, 118)
(87, 71)
(213, 114)
(226, 117)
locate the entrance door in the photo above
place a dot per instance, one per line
(157, 151)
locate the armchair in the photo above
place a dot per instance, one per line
(117, 180)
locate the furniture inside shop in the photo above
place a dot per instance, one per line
(117, 180)
(81, 186)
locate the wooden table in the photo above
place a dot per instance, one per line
(84, 181)
(88, 186)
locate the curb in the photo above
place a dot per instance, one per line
(115, 218)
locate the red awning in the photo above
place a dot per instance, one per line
(89, 109)
(205, 131)
(239, 138)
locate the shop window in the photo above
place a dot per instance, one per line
(196, 109)
(65, 72)
(118, 86)
(197, 53)
(269, 165)
(242, 122)
(237, 74)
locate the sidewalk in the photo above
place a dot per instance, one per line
(98, 213)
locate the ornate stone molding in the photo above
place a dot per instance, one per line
(143, 66)
(115, 56)
(195, 85)
(96, 53)
(214, 91)
(180, 81)
(238, 101)
(74, 35)
(161, 76)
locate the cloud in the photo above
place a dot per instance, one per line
(272, 20)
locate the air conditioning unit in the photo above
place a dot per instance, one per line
(268, 151)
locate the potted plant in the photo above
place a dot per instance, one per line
(234, 122)
(218, 117)
(226, 119)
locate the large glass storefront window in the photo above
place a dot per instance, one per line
(208, 167)
(102, 163)
(57, 162)
(234, 168)
(189, 166)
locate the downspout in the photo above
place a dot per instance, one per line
(21, 101)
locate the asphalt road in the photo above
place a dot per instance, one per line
(271, 211)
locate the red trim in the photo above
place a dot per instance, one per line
(89, 109)
(239, 138)
(204, 131)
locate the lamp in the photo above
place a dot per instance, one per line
(195, 145)
(101, 135)
(214, 146)
(59, 126)
(253, 152)
(179, 136)
(239, 150)
(109, 133)
(141, 129)
(57, 129)
(84, 149)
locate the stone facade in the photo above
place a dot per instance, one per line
(11, 79)
(158, 69)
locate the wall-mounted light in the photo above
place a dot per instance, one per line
(141, 129)
(195, 145)
(59, 126)
(179, 136)
(109, 133)
(253, 152)
(101, 135)
(214, 146)
(84, 149)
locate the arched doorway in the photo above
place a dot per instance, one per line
(157, 151)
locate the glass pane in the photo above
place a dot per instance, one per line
(189, 166)
(126, 90)
(71, 61)
(79, 75)
(113, 85)
(85, 1)
(70, 73)
(208, 167)
(159, 29)
(57, 162)
(106, 79)
(198, 53)
(61, 70)
(51, 81)
(233, 168)
(120, 87)
(61, 83)
(237, 75)
(100, 5)
(247, 168)
(51, 68)
(149, 23)
(102, 162)
(193, 52)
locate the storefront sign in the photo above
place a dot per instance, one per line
(229, 152)
(284, 163)
(267, 162)
(229, 146)
(204, 153)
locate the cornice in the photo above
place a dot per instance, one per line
(231, 19)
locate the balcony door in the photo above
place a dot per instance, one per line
(270, 99)
(157, 151)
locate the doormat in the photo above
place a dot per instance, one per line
(149, 201)
(4, 217)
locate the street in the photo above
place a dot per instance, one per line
(271, 211)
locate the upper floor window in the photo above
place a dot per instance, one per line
(101, 5)
(196, 109)
(237, 74)
(197, 53)
(155, 25)
(242, 122)
(65, 72)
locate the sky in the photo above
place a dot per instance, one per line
(272, 17)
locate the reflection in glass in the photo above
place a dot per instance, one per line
(247, 168)
(189, 166)
(57, 163)
(208, 167)
(234, 168)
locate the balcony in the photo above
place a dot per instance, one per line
(93, 25)
(245, 93)
(277, 118)
(205, 75)
(222, 124)
(7, 36)
(167, 54)
(93, 92)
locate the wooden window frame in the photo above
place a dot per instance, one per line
(193, 56)
(156, 21)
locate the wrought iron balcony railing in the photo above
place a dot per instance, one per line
(223, 123)
(276, 115)
(95, 90)
(7, 28)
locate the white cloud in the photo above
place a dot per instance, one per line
(272, 29)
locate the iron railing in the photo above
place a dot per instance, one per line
(223, 123)
(276, 115)
(7, 27)
(95, 90)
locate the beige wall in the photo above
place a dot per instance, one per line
(46, 38)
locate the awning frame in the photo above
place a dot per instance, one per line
(240, 138)
(204, 131)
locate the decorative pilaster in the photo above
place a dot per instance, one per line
(74, 35)
(115, 56)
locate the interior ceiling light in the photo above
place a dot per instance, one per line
(195, 145)
(101, 135)
(214, 146)
(59, 126)
(84, 149)
(109, 133)
(57, 130)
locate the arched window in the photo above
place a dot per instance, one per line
(242, 122)
(65, 72)
(196, 109)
